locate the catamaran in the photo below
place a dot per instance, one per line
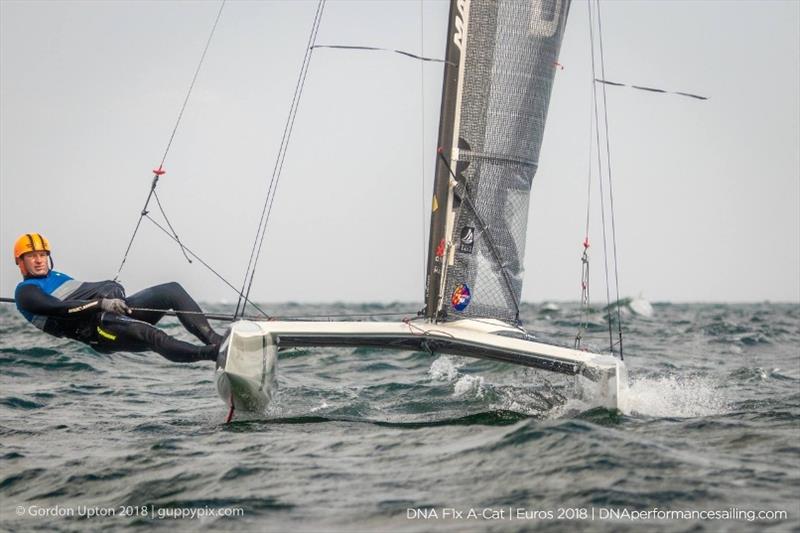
(500, 62)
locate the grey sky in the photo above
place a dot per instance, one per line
(707, 193)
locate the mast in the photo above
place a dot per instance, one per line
(442, 196)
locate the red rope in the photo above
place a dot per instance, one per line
(230, 413)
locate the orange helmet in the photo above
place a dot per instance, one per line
(30, 242)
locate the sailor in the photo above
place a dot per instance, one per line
(100, 315)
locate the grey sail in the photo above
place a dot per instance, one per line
(502, 60)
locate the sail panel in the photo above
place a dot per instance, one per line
(510, 58)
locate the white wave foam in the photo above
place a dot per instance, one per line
(469, 385)
(571, 408)
(323, 405)
(445, 368)
(674, 396)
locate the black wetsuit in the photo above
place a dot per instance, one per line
(73, 311)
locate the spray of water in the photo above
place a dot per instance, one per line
(674, 396)
(445, 368)
(469, 385)
(658, 396)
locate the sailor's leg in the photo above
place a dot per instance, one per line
(173, 296)
(147, 299)
(121, 333)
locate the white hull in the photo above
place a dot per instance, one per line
(246, 370)
(246, 367)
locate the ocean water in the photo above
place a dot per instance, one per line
(707, 437)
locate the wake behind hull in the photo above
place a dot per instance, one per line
(240, 379)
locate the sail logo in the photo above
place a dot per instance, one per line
(467, 240)
(458, 36)
(461, 297)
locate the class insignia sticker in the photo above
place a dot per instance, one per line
(440, 249)
(461, 297)
(467, 240)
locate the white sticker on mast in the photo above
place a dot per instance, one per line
(460, 40)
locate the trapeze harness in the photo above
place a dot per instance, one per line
(65, 307)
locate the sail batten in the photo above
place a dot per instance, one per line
(492, 125)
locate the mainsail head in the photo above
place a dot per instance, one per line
(502, 56)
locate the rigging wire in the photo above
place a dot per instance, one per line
(174, 234)
(585, 300)
(225, 281)
(255, 252)
(422, 155)
(222, 316)
(610, 183)
(600, 176)
(651, 89)
(326, 317)
(157, 173)
(378, 49)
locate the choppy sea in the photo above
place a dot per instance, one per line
(707, 437)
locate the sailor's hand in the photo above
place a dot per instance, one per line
(115, 305)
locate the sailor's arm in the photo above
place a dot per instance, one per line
(34, 300)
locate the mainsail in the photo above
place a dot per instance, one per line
(501, 61)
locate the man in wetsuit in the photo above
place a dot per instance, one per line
(100, 315)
